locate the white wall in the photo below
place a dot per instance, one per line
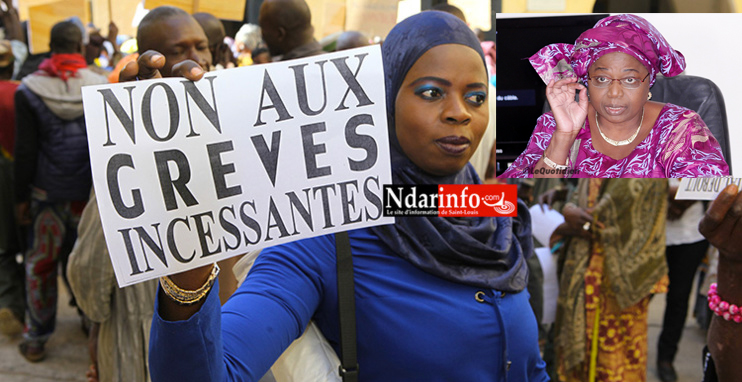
(711, 45)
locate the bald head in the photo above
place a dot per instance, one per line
(66, 37)
(350, 40)
(290, 14)
(151, 22)
(212, 26)
(176, 35)
(285, 24)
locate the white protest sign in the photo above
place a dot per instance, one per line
(703, 188)
(551, 284)
(188, 173)
(544, 221)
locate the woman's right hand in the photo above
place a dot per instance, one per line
(189, 280)
(575, 218)
(568, 114)
(148, 66)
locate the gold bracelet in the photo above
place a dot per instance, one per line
(553, 164)
(188, 297)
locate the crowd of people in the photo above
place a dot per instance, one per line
(435, 298)
(620, 242)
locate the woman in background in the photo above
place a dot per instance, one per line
(613, 260)
(436, 298)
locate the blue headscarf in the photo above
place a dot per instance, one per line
(483, 252)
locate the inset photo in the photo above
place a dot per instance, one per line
(617, 95)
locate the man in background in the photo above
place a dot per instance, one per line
(221, 55)
(287, 29)
(12, 307)
(350, 40)
(52, 174)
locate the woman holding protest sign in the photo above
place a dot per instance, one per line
(436, 298)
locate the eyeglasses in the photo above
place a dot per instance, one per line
(627, 83)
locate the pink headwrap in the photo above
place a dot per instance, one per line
(628, 34)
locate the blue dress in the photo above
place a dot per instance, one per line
(412, 326)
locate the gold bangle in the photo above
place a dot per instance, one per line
(188, 297)
(553, 164)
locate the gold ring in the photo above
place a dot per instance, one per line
(479, 296)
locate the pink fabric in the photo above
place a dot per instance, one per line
(628, 34)
(490, 55)
(680, 145)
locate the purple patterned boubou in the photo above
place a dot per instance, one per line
(680, 145)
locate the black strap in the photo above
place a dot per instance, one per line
(346, 309)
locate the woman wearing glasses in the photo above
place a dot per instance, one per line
(613, 129)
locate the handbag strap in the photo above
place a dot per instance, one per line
(346, 309)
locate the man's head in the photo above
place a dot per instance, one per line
(286, 24)
(6, 60)
(176, 35)
(350, 40)
(261, 56)
(66, 37)
(213, 28)
(94, 47)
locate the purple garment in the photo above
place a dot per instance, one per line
(680, 145)
(628, 34)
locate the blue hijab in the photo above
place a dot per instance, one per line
(482, 252)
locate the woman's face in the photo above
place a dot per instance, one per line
(616, 103)
(441, 109)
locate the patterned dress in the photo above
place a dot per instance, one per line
(619, 351)
(680, 145)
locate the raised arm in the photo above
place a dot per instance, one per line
(242, 340)
(569, 116)
(555, 132)
(148, 66)
(722, 226)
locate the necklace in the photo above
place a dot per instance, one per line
(625, 141)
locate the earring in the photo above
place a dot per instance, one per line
(649, 96)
